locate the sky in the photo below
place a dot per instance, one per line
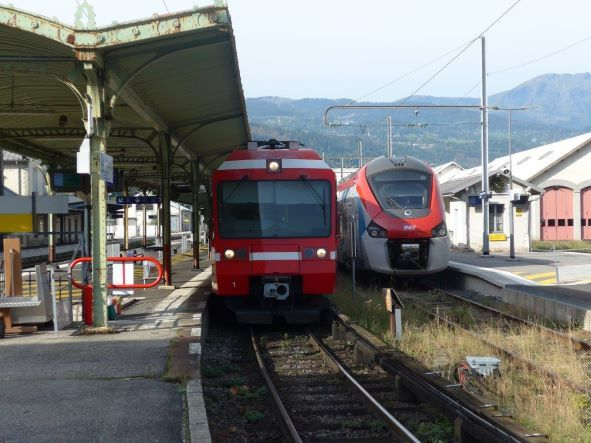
(361, 50)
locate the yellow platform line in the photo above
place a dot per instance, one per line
(548, 281)
(541, 275)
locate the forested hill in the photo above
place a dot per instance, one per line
(562, 109)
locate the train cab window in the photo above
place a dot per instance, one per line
(275, 209)
(402, 189)
(495, 219)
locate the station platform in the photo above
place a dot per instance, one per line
(140, 383)
(552, 284)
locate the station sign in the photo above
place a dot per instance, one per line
(498, 236)
(139, 200)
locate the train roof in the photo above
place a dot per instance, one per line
(263, 153)
(386, 163)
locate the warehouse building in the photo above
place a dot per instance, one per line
(551, 194)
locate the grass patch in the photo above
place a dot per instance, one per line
(560, 412)
(246, 393)
(563, 245)
(253, 416)
(216, 371)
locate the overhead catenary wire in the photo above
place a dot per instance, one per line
(543, 57)
(535, 60)
(462, 51)
(397, 79)
(166, 6)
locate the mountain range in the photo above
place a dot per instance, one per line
(560, 108)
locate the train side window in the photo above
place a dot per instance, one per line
(561, 222)
(583, 222)
(571, 222)
(551, 222)
(543, 223)
(589, 222)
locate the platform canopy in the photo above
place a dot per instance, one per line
(174, 76)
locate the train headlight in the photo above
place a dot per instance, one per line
(376, 231)
(273, 165)
(439, 231)
(229, 254)
(321, 252)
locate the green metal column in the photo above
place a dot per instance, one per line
(125, 220)
(166, 157)
(196, 212)
(98, 131)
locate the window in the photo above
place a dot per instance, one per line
(400, 190)
(275, 208)
(495, 221)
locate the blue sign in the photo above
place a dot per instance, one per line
(139, 200)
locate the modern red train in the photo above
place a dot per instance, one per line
(393, 219)
(274, 233)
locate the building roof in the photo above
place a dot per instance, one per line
(526, 164)
(459, 184)
(174, 74)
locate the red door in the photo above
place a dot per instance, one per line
(557, 214)
(586, 214)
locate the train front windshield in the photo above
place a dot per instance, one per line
(274, 208)
(402, 189)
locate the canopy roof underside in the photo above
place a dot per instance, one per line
(176, 74)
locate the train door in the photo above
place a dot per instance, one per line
(586, 214)
(557, 214)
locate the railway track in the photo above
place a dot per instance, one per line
(324, 399)
(452, 309)
(336, 384)
(473, 420)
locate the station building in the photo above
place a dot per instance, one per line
(551, 195)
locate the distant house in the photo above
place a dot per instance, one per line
(557, 179)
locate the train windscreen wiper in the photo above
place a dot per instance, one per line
(234, 189)
(393, 202)
(320, 200)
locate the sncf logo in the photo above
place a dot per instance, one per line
(409, 227)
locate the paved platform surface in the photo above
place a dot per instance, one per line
(107, 388)
(533, 268)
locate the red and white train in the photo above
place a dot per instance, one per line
(274, 232)
(392, 218)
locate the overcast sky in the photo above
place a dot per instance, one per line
(349, 48)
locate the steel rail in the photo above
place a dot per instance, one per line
(529, 364)
(288, 424)
(578, 344)
(419, 384)
(393, 424)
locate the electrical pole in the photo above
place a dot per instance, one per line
(389, 146)
(511, 221)
(484, 133)
(360, 153)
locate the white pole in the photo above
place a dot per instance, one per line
(511, 219)
(484, 132)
